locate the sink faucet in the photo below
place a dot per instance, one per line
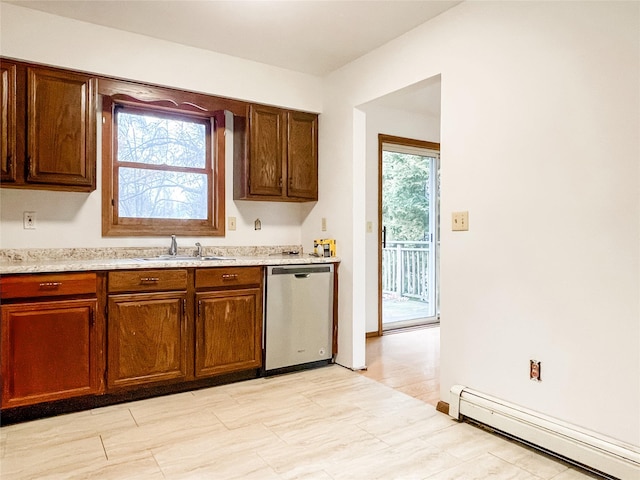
(173, 249)
(199, 250)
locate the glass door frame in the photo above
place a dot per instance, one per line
(433, 226)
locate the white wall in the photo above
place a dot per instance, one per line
(539, 141)
(74, 219)
(399, 123)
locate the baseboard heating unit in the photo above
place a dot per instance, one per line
(588, 449)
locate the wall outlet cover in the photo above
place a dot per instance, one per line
(535, 370)
(29, 220)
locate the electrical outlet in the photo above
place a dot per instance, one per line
(369, 227)
(460, 221)
(535, 368)
(257, 225)
(29, 220)
(324, 224)
(231, 223)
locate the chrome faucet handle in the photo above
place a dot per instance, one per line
(173, 249)
(199, 250)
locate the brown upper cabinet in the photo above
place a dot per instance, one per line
(276, 155)
(8, 123)
(48, 128)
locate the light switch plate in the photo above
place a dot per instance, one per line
(231, 223)
(460, 221)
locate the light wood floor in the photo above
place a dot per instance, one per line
(408, 361)
(324, 424)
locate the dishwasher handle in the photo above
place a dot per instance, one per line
(299, 270)
(301, 275)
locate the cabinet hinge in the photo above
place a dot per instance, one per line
(199, 305)
(184, 307)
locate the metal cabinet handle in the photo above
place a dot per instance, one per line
(149, 280)
(50, 285)
(229, 276)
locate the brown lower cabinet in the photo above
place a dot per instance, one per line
(147, 338)
(227, 334)
(101, 335)
(228, 320)
(154, 336)
(50, 343)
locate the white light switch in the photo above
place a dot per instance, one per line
(231, 223)
(460, 221)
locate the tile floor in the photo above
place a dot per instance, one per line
(327, 423)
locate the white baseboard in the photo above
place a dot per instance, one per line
(573, 443)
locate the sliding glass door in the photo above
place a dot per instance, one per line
(409, 212)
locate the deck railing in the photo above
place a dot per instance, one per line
(404, 269)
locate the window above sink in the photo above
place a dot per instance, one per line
(163, 163)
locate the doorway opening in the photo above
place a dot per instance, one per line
(408, 211)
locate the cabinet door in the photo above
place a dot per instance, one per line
(267, 150)
(61, 128)
(49, 351)
(228, 331)
(302, 155)
(8, 122)
(147, 338)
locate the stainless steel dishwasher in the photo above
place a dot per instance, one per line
(298, 317)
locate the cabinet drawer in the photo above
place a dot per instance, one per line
(54, 285)
(147, 280)
(228, 277)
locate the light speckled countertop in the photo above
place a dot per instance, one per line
(76, 260)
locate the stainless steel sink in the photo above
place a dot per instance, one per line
(175, 258)
(163, 258)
